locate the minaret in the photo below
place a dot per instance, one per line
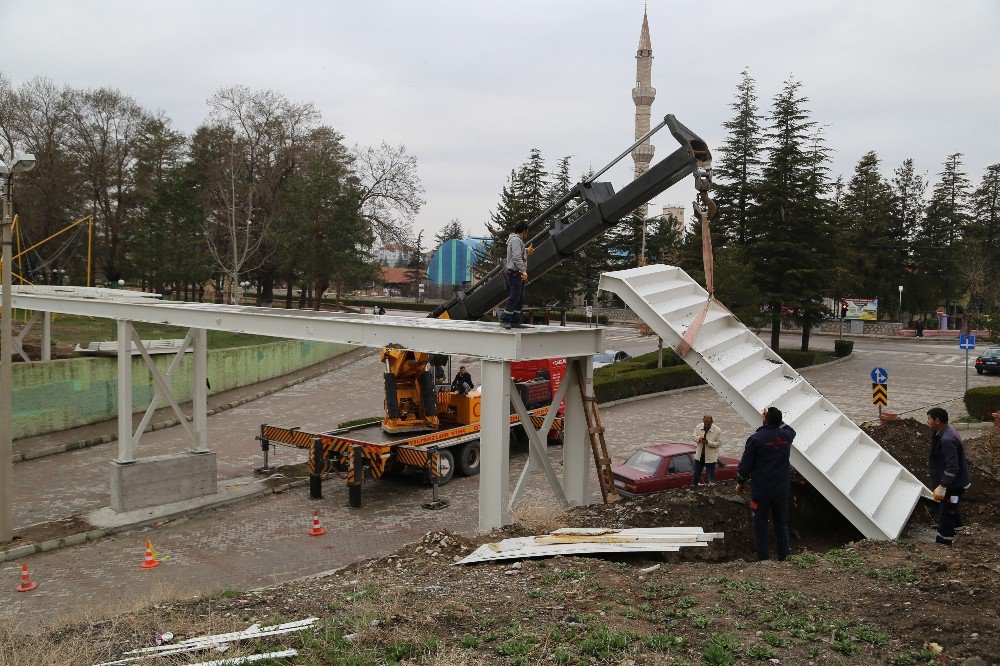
(643, 95)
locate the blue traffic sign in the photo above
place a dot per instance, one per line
(880, 376)
(967, 342)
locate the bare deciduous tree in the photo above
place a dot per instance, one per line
(258, 135)
(392, 194)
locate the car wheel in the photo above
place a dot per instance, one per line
(978, 371)
(468, 459)
(447, 468)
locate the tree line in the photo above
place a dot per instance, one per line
(261, 191)
(788, 234)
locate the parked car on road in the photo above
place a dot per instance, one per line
(988, 361)
(609, 357)
(653, 469)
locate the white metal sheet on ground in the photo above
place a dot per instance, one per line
(593, 541)
(853, 472)
(250, 659)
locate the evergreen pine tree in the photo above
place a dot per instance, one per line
(875, 247)
(450, 231)
(416, 267)
(984, 240)
(737, 168)
(908, 203)
(937, 244)
(791, 223)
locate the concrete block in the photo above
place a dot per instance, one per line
(162, 479)
(51, 544)
(74, 539)
(21, 551)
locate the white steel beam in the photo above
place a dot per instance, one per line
(479, 339)
(494, 446)
(151, 409)
(577, 455)
(126, 441)
(199, 393)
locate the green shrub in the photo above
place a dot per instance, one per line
(617, 385)
(981, 401)
(797, 359)
(842, 348)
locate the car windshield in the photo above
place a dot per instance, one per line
(604, 358)
(644, 461)
(991, 353)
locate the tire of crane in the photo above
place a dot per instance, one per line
(467, 459)
(447, 468)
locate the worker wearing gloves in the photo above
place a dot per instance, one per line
(516, 274)
(949, 469)
(765, 464)
(707, 440)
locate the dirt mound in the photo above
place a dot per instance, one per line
(815, 524)
(441, 544)
(909, 442)
(984, 452)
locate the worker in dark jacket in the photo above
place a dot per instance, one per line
(462, 382)
(949, 470)
(765, 464)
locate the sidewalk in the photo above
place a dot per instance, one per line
(102, 432)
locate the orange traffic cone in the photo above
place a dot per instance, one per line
(316, 530)
(26, 584)
(150, 561)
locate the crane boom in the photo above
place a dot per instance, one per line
(556, 238)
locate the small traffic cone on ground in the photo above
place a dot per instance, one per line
(150, 560)
(317, 529)
(26, 584)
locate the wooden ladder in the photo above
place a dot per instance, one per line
(599, 446)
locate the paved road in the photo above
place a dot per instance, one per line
(264, 541)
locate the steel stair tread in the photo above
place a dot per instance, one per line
(872, 489)
(875, 485)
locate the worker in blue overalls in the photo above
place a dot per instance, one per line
(765, 463)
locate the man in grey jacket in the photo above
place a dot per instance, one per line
(516, 274)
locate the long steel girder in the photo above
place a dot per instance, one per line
(478, 339)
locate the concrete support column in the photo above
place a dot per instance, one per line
(577, 454)
(46, 336)
(126, 441)
(494, 446)
(199, 393)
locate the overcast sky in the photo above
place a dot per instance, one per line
(469, 87)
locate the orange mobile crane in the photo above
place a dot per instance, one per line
(437, 431)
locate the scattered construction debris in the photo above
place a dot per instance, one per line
(218, 640)
(249, 659)
(585, 541)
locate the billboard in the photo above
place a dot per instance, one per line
(861, 308)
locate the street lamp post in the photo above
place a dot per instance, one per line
(20, 164)
(901, 304)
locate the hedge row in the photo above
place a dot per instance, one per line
(982, 402)
(640, 376)
(615, 386)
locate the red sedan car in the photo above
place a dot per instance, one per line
(656, 468)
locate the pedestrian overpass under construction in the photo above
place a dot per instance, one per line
(151, 480)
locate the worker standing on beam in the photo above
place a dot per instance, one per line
(516, 274)
(765, 462)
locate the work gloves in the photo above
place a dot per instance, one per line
(524, 276)
(939, 493)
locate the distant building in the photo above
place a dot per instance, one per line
(453, 262)
(393, 255)
(643, 95)
(678, 213)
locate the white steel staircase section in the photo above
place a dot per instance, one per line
(848, 467)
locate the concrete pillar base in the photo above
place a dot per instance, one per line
(162, 479)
